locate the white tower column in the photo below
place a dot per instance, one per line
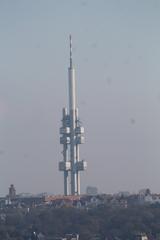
(72, 135)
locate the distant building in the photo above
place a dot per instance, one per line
(12, 192)
(123, 194)
(141, 236)
(72, 236)
(91, 190)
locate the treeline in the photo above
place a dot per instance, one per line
(97, 223)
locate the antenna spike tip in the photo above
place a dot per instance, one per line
(70, 42)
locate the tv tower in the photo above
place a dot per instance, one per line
(72, 135)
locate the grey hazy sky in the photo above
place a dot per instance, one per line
(116, 56)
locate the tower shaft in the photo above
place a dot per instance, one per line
(72, 112)
(72, 136)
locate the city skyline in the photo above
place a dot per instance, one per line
(116, 53)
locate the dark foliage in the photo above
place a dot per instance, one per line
(96, 223)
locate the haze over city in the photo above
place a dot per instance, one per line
(116, 56)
